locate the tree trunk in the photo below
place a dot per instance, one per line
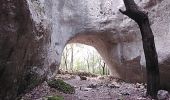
(65, 58)
(87, 61)
(93, 63)
(103, 68)
(141, 18)
(66, 65)
(88, 66)
(108, 72)
(72, 56)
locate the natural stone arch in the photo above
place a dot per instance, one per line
(38, 30)
(109, 50)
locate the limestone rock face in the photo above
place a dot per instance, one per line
(33, 34)
(23, 49)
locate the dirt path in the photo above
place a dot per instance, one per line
(102, 88)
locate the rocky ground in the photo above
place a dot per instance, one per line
(94, 88)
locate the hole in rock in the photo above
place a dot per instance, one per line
(81, 58)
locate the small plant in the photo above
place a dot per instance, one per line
(62, 86)
(55, 98)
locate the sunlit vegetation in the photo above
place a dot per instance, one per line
(83, 58)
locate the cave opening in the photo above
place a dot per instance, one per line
(82, 58)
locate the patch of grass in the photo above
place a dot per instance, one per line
(55, 98)
(62, 86)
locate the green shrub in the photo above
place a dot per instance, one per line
(62, 86)
(55, 98)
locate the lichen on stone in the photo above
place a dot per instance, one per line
(62, 86)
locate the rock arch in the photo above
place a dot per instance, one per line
(110, 52)
(33, 34)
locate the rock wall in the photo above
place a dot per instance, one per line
(23, 49)
(33, 34)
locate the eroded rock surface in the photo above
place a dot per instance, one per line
(23, 49)
(33, 34)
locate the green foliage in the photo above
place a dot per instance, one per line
(61, 86)
(55, 98)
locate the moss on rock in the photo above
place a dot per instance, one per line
(61, 86)
(55, 98)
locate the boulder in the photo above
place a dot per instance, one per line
(163, 95)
